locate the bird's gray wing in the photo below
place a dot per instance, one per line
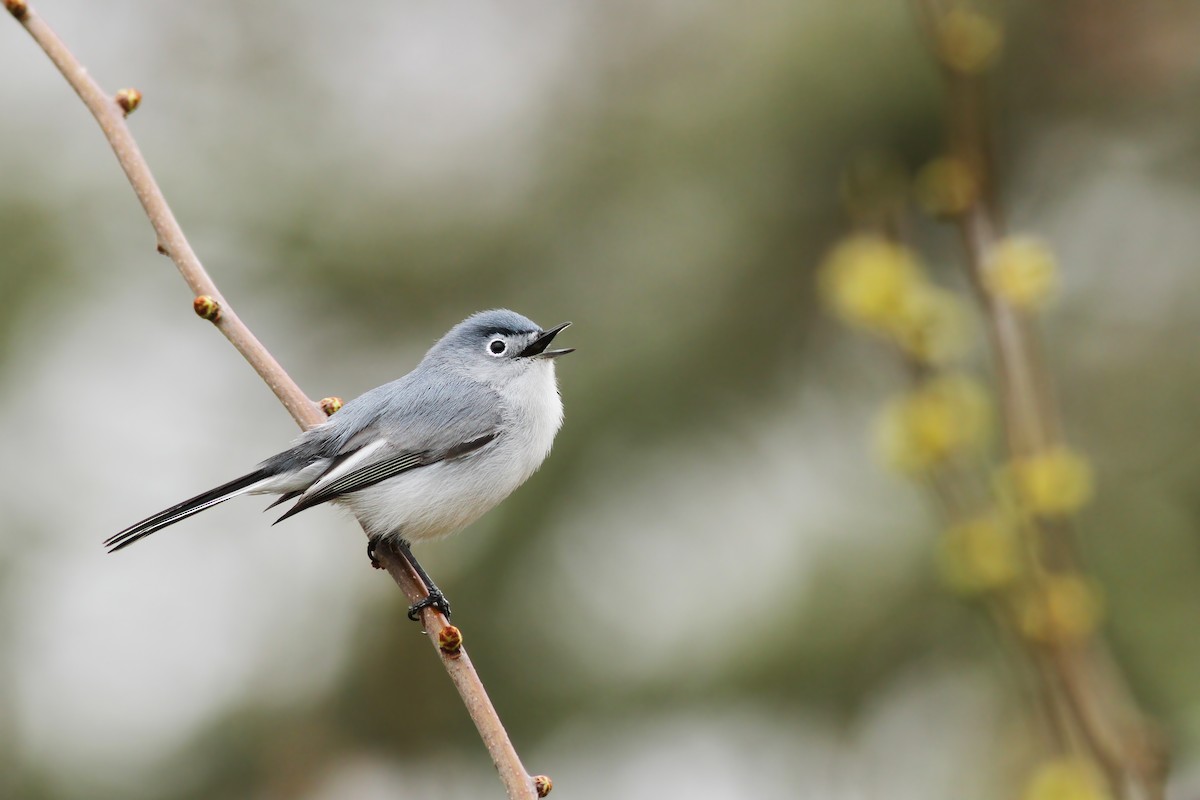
(413, 425)
(374, 472)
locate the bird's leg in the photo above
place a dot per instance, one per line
(435, 598)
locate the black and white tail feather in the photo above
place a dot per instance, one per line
(187, 508)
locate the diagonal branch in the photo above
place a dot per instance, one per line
(110, 114)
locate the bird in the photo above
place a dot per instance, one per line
(420, 457)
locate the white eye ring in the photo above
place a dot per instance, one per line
(497, 347)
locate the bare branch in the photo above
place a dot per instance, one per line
(1080, 679)
(110, 113)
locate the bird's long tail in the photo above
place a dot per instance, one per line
(183, 510)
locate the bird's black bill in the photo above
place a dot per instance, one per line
(538, 346)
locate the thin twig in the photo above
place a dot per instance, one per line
(172, 243)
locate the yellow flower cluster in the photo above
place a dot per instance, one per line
(1056, 483)
(935, 327)
(946, 187)
(944, 416)
(1060, 610)
(1066, 779)
(980, 555)
(881, 286)
(868, 280)
(1023, 272)
(967, 41)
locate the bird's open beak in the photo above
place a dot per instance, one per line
(538, 346)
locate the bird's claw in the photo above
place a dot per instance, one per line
(372, 543)
(435, 599)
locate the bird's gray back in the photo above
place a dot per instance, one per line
(431, 409)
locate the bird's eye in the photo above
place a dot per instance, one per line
(497, 346)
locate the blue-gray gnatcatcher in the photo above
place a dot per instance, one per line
(422, 456)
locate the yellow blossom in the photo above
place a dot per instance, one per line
(1060, 610)
(979, 555)
(946, 186)
(1023, 272)
(1055, 483)
(867, 280)
(1066, 779)
(946, 415)
(968, 41)
(933, 326)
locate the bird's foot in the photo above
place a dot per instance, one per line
(372, 545)
(435, 599)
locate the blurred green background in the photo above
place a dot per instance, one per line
(711, 589)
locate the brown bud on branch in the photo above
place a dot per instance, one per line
(450, 641)
(207, 308)
(129, 100)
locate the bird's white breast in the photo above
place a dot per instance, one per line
(442, 498)
(535, 409)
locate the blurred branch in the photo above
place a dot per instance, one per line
(110, 113)
(1083, 681)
